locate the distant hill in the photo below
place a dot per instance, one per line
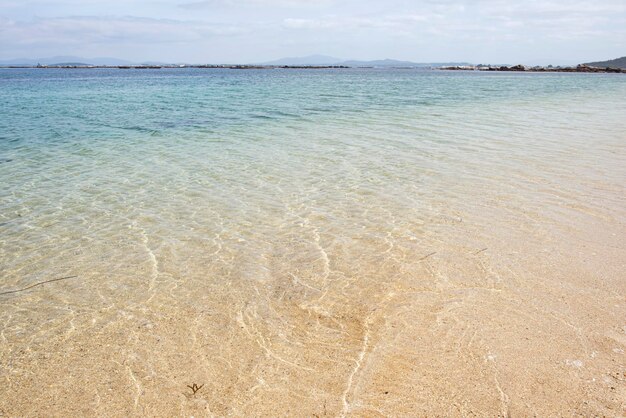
(65, 59)
(386, 63)
(616, 63)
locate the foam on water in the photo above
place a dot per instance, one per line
(308, 242)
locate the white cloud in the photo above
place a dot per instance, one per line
(350, 23)
(102, 29)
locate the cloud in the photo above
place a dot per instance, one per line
(351, 23)
(243, 30)
(204, 4)
(103, 29)
(483, 19)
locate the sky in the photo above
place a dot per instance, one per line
(249, 31)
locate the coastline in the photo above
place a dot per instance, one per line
(485, 68)
(550, 69)
(158, 67)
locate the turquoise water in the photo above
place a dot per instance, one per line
(91, 150)
(102, 104)
(247, 193)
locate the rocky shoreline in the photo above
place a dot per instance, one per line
(549, 69)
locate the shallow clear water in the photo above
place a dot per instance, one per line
(261, 197)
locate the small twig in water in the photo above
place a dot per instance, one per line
(37, 284)
(195, 387)
(480, 251)
(426, 256)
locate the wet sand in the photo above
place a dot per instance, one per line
(463, 322)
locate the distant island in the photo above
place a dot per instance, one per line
(323, 60)
(311, 61)
(66, 59)
(582, 68)
(616, 63)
